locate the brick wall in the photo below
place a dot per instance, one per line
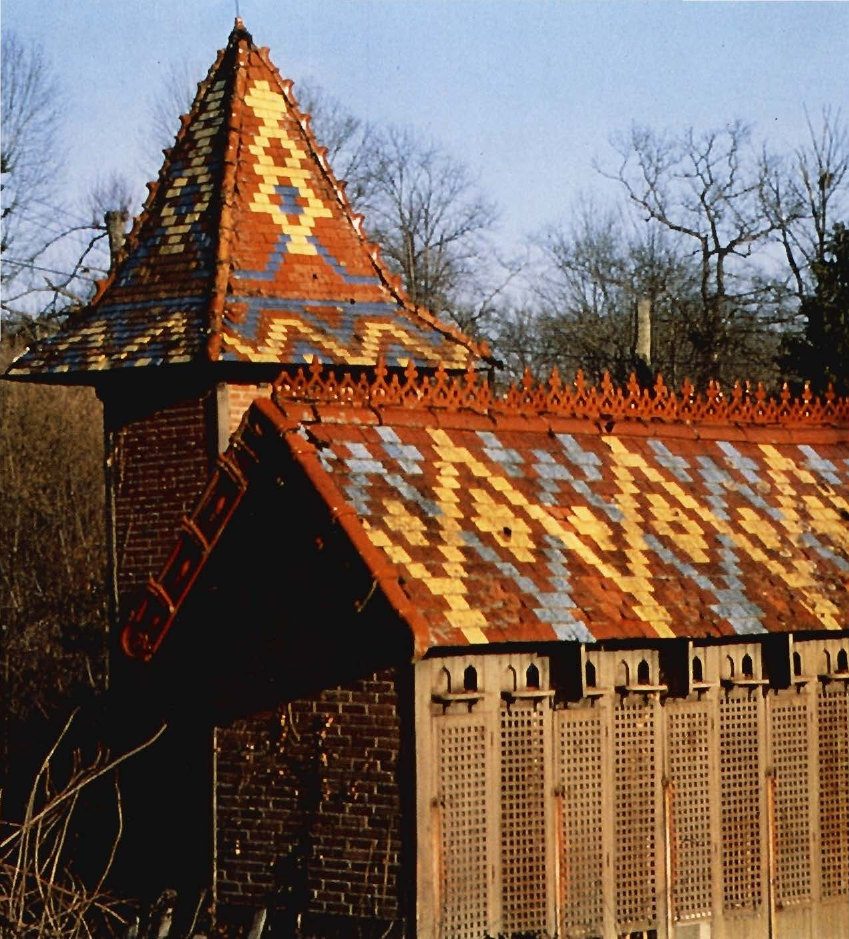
(161, 460)
(240, 398)
(162, 457)
(308, 808)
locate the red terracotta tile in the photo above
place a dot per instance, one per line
(526, 535)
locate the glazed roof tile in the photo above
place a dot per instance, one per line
(247, 250)
(621, 521)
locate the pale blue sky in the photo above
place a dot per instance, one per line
(526, 93)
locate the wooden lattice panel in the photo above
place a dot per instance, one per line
(789, 735)
(523, 848)
(579, 769)
(688, 730)
(635, 816)
(739, 763)
(464, 907)
(833, 744)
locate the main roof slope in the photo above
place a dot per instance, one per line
(247, 251)
(560, 514)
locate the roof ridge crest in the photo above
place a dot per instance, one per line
(530, 397)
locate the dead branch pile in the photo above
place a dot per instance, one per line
(40, 893)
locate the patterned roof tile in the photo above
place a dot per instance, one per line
(604, 532)
(247, 251)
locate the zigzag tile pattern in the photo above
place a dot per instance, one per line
(506, 535)
(247, 251)
(306, 285)
(155, 309)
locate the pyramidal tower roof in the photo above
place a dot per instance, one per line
(246, 250)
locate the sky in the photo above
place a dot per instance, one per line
(527, 94)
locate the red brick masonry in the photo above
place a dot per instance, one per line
(308, 804)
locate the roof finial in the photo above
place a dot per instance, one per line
(239, 29)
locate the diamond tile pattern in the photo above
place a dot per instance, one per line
(247, 250)
(487, 527)
(512, 535)
(495, 527)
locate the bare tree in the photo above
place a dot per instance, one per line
(520, 344)
(593, 272)
(432, 224)
(52, 254)
(585, 296)
(173, 96)
(709, 188)
(59, 281)
(348, 139)
(806, 194)
(30, 158)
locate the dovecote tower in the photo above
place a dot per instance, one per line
(246, 260)
(584, 666)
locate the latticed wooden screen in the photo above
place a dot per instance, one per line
(833, 757)
(754, 779)
(464, 869)
(580, 745)
(635, 818)
(524, 904)
(740, 788)
(688, 741)
(789, 722)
